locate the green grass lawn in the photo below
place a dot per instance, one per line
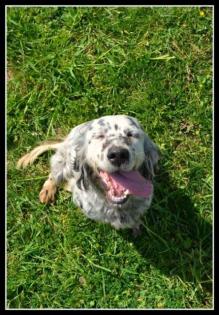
(70, 65)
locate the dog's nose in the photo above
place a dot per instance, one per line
(118, 156)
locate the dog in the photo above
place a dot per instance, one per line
(108, 164)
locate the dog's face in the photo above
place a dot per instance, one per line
(116, 145)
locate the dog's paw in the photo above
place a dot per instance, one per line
(47, 194)
(136, 231)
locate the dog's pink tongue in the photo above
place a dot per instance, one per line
(134, 182)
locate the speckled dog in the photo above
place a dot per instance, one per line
(108, 164)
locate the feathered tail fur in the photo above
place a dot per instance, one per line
(30, 157)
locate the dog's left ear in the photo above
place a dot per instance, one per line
(152, 155)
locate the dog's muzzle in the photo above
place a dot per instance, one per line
(118, 155)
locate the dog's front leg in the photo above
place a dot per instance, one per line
(61, 171)
(48, 191)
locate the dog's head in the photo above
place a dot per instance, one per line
(117, 152)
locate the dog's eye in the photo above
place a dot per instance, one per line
(100, 136)
(129, 134)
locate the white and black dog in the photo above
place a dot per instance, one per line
(108, 165)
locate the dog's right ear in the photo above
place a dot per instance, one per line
(70, 157)
(75, 141)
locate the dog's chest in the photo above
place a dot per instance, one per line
(95, 207)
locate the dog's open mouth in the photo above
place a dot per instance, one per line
(119, 185)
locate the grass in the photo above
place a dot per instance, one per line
(70, 65)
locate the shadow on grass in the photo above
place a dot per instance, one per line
(174, 237)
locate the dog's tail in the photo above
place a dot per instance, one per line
(30, 157)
